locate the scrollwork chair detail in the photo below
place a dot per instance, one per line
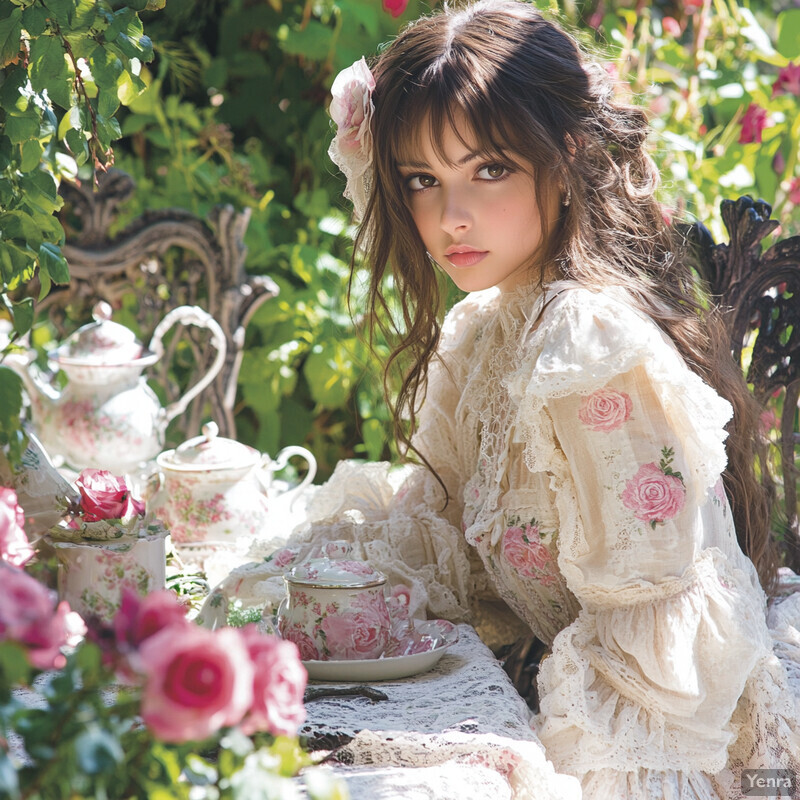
(760, 292)
(165, 258)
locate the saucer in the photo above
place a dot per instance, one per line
(387, 669)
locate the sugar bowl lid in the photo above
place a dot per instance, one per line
(103, 343)
(335, 573)
(209, 452)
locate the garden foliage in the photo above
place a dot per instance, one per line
(233, 110)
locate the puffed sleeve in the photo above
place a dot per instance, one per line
(638, 695)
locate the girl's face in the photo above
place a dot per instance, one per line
(476, 214)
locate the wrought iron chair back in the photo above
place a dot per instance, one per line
(760, 291)
(163, 259)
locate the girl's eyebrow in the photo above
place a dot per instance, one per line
(471, 156)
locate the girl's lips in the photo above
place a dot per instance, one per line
(468, 259)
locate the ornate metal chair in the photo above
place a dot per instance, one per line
(761, 292)
(162, 260)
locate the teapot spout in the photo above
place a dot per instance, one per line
(41, 393)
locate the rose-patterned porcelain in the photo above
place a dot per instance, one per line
(335, 610)
(92, 574)
(214, 490)
(107, 416)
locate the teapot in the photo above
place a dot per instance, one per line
(107, 416)
(213, 490)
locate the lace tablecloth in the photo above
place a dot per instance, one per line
(458, 731)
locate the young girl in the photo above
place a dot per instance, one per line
(569, 412)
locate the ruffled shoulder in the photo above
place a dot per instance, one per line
(586, 338)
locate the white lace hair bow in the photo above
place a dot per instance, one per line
(351, 149)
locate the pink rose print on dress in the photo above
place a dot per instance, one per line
(524, 550)
(605, 410)
(656, 492)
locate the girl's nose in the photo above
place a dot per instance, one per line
(456, 215)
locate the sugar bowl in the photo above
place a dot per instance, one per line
(335, 609)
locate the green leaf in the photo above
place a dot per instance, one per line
(30, 155)
(789, 33)
(11, 97)
(34, 20)
(106, 68)
(313, 42)
(14, 666)
(53, 262)
(22, 316)
(23, 127)
(10, 34)
(78, 145)
(40, 191)
(107, 103)
(98, 751)
(47, 62)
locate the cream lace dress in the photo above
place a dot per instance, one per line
(583, 460)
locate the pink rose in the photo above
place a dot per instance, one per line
(605, 410)
(364, 634)
(278, 686)
(654, 496)
(305, 644)
(753, 122)
(794, 192)
(788, 81)
(671, 26)
(105, 496)
(197, 681)
(395, 7)
(283, 557)
(524, 550)
(15, 549)
(29, 615)
(139, 618)
(355, 567)
(352, 108)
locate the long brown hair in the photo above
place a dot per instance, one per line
(526, 89)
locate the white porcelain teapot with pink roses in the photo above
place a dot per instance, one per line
(107, 416)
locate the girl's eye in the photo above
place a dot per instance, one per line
(418, 182)
(493, 172)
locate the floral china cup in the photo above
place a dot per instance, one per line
(335, 609)
(93, 573)
(213, 490)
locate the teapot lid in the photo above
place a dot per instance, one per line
(210, 451)
(102, 343)
(335, 573)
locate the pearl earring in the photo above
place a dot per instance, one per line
(567, 198)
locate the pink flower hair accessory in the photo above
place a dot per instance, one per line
(352, 109)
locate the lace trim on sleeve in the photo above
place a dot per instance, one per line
(640, 685)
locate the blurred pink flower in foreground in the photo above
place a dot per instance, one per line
(278, 686)
(788, 81)
(29, 615)
(197, 681)
(141, 617)
(15, 548)
(753, 123)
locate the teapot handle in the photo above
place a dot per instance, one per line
(282, 459)
(191, 315)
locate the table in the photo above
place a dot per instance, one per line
(457, 732)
